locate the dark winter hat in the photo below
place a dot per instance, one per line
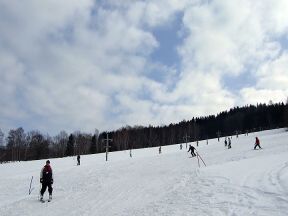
(48, 162)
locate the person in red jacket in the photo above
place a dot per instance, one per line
(257, 143)
(46, 178)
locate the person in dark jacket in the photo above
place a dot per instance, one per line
(257, 143)
(229, 143)
(78, 160)
(46, 178)
(192, 149)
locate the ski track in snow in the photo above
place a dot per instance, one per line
(236, 181)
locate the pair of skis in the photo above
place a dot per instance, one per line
(30, 190)
(43, 201)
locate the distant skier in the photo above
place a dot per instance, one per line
(160, 150)
(181, 146)
(257, 143)
(229, 143)
(46, 178)
(225, 142)
(78, 160)
(192, 149)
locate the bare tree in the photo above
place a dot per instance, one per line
(16, 144)
(38, 146)
(60, 143)
(153, 139)
(82, 143)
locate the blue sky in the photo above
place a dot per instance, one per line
(169, 38)
(80, 65)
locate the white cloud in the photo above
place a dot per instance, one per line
(84, 64)
(229, 38)
(272, 82)
(11, 83)
(274, 74)
(253, 96)
(73, 64)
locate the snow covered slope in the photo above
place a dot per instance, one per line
(236, 181)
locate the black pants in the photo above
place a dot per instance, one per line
(78, 162)
(257, 145)
(43, 189)
(193, 154)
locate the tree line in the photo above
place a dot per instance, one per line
(33, 145)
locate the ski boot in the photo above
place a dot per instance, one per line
(50, 198)
(41, 198)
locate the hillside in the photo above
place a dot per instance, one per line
(236, 181)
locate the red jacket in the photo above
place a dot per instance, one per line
(257, 141)
(46, 175)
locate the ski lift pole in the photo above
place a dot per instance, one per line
(107, 146)
(201, 158)
(186, 139)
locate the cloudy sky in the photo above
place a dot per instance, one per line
(80, 65)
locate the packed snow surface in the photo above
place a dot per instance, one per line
(236, 181)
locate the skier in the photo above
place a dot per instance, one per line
(229, 143)
(78, 160)
(225, 142)
(46, 178)
(257, 143)
(181, 146)
(191, 148)
(160, 150)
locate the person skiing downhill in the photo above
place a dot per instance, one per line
(257, 143)
(225, 142)
(191, 148)
(46, 178)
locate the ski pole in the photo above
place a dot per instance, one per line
(39, 191)
(30, 185)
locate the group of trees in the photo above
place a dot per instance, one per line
(34, 145)
(235, 121)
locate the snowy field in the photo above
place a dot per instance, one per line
(236, 181)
